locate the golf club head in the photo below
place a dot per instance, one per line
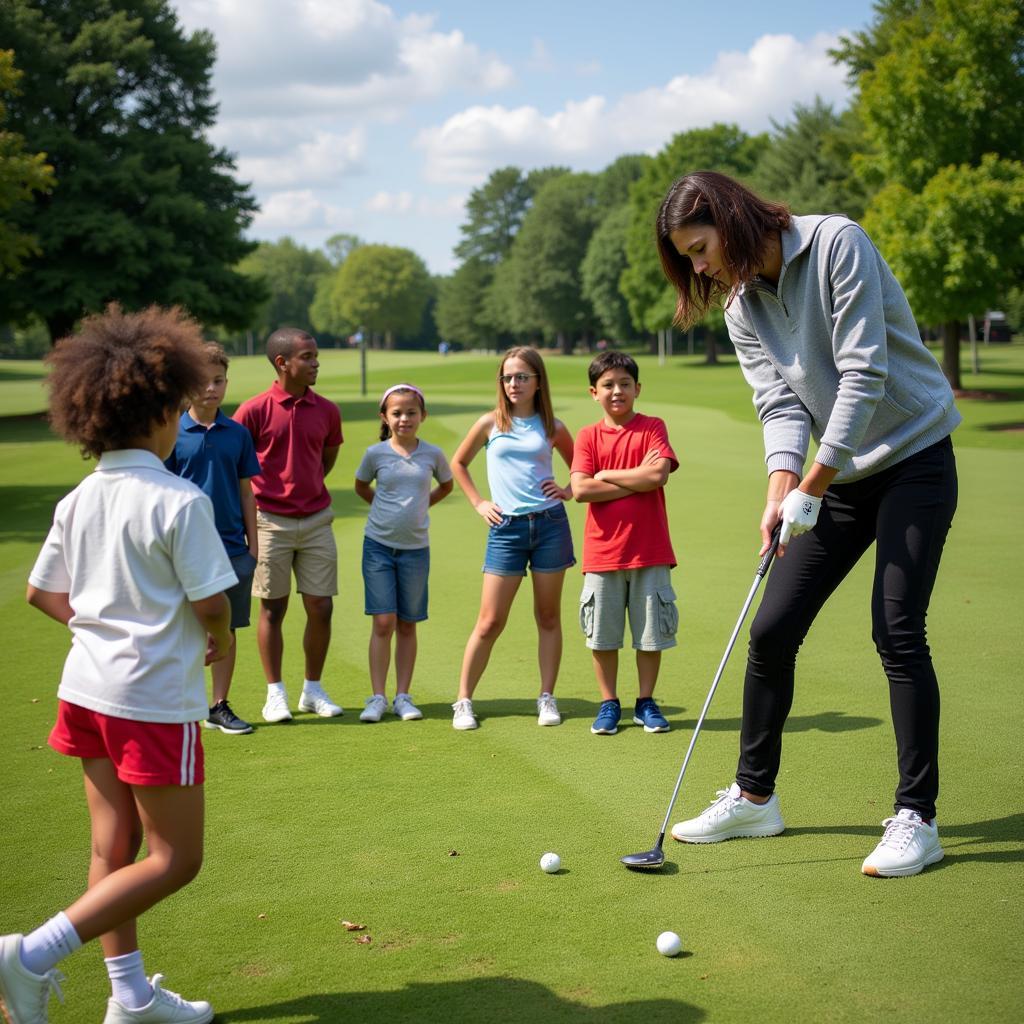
(649, 860)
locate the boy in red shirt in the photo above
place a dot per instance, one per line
(619, 467)
(297, 434)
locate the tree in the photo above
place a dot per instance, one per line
(809, 162)
(290, 274)
(941, 97)
(957, 247)
(722, 148)
(601, 270)
(383, 289)
(22, 175)
(538, 287)
(461, 314)
(146, 209)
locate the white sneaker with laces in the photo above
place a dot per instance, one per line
(276, 707)
(907, 847)
(315, 700)
(165, 1007)
(463, 717)
(405, 709)
(731, 816)
(547, 710)
(375, 708)
(24, 995)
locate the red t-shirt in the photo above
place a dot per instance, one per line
(290, 435)
(629, 532)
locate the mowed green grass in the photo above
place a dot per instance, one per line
(431, 838)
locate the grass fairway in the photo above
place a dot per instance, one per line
(432, 838)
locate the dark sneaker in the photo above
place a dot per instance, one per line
(607, 721)
(648, 714)
(223, 718)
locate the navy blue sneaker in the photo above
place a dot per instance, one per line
(607, 721)
(649, 715)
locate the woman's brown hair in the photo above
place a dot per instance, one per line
(744, 222)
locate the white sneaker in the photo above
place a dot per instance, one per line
(463, 718)
(24, 995)
(547, 710)
(315, 700)
(276, 707)
(375, 708)
(731, 816)
(405, 709)
(165, 1007)
(907, 847)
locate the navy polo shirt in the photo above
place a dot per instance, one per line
(215, 459)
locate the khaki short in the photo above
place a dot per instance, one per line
(304, 546)
(646, 595)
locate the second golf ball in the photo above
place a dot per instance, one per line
(669, 944)
(550, 863)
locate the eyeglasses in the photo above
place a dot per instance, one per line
(519, 378)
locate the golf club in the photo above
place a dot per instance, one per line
(651, 860)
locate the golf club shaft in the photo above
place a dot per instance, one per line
(762, 571)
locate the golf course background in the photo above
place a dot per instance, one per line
(432, 838)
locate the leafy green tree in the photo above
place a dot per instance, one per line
(721, 147)
(146, 209)
(613, 183)
(957, 246)
(22, 175)
(941, 96)
(809, 162)
(289, 273)
(461, 312)
(538, 286)
(383, 289)
(601, 270)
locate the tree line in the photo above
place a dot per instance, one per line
(109, 189)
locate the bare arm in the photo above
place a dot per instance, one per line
(441, 491)
(588, 488)
(562, 442)
(56, 606)
(248, 500)
(214, 615)
(365, 490)
(329, 458)
(464, 455)
(651, 474)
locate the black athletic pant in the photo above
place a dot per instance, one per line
(907, 509)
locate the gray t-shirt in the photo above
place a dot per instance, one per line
(398, 514)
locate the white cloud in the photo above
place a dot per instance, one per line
(746, 88)
(301, 210)
(422, 206)
(321, 160)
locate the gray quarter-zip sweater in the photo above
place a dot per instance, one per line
(834, 352)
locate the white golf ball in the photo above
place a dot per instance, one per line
(669, 944)
(550, 863)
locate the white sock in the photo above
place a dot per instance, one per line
(128, 982)
(49, 944)
(311, 684)
(275, 687)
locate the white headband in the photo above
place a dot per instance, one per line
(401, 387)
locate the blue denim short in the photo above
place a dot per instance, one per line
(541, 540)
(395, 580)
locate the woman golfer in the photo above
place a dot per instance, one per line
(826, 338)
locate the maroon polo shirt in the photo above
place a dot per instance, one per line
(290, 435)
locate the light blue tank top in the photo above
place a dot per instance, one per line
(517, 464)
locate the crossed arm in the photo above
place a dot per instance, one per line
(609, 484)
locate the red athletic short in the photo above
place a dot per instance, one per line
(144, 753)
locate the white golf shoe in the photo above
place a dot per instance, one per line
(24, 995)
(731, 816)
(314, 699)
(907, 847)
(375, 708)
(547, 710)
(165, 1007)
(405, 709)
(462, 715)
(276, 707)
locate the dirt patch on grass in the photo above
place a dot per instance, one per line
(984, 396)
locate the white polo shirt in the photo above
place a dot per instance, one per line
(131, 545)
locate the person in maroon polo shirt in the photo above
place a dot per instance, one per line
(297, 434)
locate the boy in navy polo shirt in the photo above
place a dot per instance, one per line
(218, 456)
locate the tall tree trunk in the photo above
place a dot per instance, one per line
(951, 353)
(710, 349)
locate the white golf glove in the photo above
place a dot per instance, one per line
(799, 513)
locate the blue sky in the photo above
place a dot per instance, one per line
(379, 118)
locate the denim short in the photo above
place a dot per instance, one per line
(644, 594)
(541, 539)
(395, 580)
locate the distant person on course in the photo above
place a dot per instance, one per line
(827, 340)
(297, 434)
